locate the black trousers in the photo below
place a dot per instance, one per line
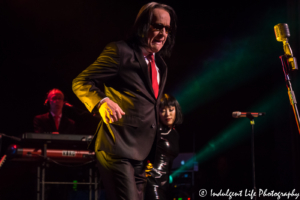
(123, 179)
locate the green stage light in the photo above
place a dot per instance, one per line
(236, 62)
(75, 185)
(170, 179)
(239, 130)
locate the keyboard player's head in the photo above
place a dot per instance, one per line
(55, 101)
(54, 121)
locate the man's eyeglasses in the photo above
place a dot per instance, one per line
(159, 27)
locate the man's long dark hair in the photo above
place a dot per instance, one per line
(139, 33)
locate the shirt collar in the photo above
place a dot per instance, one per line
(54, 114)
(145, 53)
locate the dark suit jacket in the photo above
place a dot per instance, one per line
(123, 71)
(45, 123)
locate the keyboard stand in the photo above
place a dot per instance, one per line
(41, 182)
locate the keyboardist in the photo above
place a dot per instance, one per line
(54, 121)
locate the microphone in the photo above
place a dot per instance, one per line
(282, 32)
(238, 114)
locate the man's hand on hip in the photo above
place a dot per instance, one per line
(110, 111)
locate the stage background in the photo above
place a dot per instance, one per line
(226, 59)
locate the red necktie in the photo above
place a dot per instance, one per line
(56, 121)
(153, 74)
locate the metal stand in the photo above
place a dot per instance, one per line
(253, 155)
(41, 172)
(286, 69)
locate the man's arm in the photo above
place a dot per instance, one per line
(85, 85)
(110, 111)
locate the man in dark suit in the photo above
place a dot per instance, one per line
(54, 121)
(133, 84)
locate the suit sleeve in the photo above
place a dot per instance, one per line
(86, 85)
(37, 125)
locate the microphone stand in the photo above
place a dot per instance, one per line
(286, 68)
(252, 154)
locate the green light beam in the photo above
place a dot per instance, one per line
(233, 64)
(238, 131)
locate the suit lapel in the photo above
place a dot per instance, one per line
(63, 124)
(163, 73)
(162, 70)
(52, 122)
(144, 66)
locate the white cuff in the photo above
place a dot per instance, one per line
(100, 103)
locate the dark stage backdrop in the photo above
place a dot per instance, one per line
(226, 59)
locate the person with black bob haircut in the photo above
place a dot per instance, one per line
(167, 150)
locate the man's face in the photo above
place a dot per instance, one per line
(157, 34)
(56, 101)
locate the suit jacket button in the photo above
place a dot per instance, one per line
(153, 125)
